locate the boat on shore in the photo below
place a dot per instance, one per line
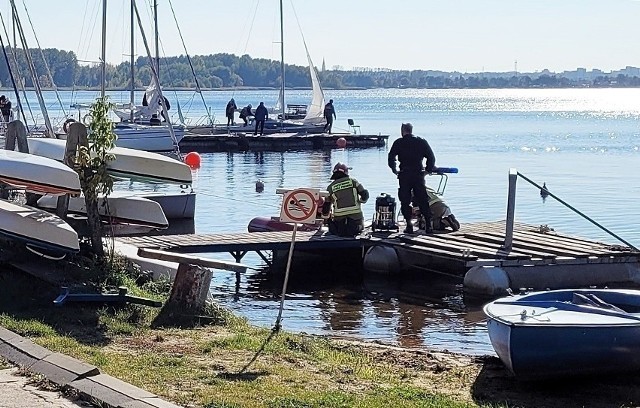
(37, 229)
(132, 164)
(37, 174)
(117, 209)
(567, 332)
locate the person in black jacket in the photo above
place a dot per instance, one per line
(410, 151)
(260, 115)
(245, 113)
(5, 108)
(230, 111)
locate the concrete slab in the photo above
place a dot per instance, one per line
(136, 404)
(98, 392)
(53, 373)
(158, 268)
(102, 389)
(28, 347)
(79, 368)
(121, 386)
(160, 403)
(6, 335)
(15, 356)
(18, 393)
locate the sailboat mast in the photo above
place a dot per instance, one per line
(104, 48)
(155, 19)
(133, 76)
(282, 60)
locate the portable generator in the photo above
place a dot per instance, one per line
(384, 219)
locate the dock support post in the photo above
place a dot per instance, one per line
(511, 209)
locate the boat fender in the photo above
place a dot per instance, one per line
(87, 119)
(382, 260)
(487, 280)
(66, 124)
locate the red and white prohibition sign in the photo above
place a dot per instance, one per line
(300, 206)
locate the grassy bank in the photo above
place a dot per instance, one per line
(229, 363)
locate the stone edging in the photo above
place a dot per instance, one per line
(69, 372)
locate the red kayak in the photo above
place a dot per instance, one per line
(264, 224)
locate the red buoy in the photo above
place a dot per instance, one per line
(192, 159)
(341, 142)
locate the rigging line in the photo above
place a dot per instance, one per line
(156, 80)
(246, 43)
(193, 71)
(17, 68)
(86, 38)
(586, 217)
(13, 80)
(44, 60)
(32, 69)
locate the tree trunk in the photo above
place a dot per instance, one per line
(188, 296)
(77, 136)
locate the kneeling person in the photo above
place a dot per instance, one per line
(345, 195)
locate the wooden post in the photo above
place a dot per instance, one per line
(190, 289)
(77, 136)
(511, 209)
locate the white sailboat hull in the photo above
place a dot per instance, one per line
(174, 205)
(37, 174)
(36, 228)
(119, 209)
(137, 165)
(148, 138)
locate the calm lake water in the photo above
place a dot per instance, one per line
(584, 143)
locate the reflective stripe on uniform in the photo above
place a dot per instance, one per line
(344, 196)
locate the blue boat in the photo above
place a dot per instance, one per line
(567, 332)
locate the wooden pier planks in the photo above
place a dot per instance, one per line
(474, 245)
(482, 244)
(246, 241)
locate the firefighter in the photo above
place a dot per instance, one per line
(346, 195)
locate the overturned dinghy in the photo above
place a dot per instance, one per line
(119, 209)
(37, 174)
(567, 332)
(37, 229)
(132, 164)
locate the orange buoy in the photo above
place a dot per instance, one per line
(192, 159)
(341, 142)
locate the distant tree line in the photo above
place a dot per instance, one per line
(227, 70)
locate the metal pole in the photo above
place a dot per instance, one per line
(511, 209)
(155, 19)
(133, 60)
(286, 276)
(104, 48)
(282, 108)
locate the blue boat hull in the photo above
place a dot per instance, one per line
(541, 346)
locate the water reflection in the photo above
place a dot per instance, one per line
(416, 311)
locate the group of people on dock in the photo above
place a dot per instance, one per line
(346, 194)
(261, 114)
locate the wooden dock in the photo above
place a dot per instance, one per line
(477, 244)
(481, 244)
(275, 142)
(239, 244)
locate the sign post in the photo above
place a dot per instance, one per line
(299, 207)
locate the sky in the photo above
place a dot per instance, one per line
(448, 35)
